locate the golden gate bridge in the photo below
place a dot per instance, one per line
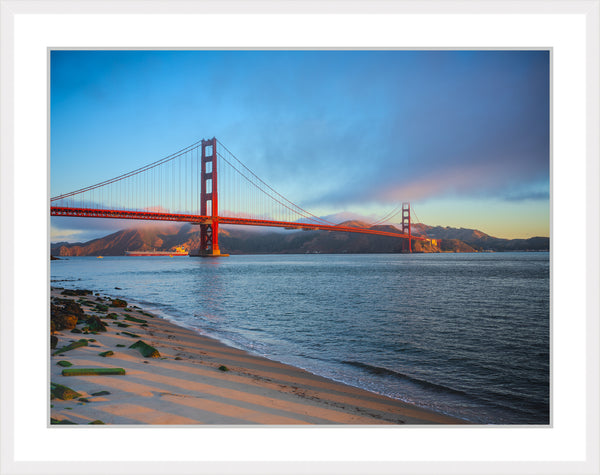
(205, 184)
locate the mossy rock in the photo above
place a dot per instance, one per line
(92, 371)
(128, 310)
(72, 346)
(101, 393)
(61, 421)
(106, 353)
(94, 324)
(223, 368)
(145, 349)
(122, 325)
(64, 364)
(133, 319)
(76, 330)
(120, 346)
(53, 342)
(101, 307)
(83, 399)
(132, 335)
(96, 422)
(118, 303)
(58, 391)
(112, 316)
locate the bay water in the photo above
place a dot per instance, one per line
(466, 335)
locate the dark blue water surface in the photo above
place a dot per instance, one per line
(463, 334)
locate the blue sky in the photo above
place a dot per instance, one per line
(463, 135)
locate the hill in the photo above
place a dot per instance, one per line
(239, 240)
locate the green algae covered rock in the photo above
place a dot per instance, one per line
(58, 391)
(72, 346)
(64, 364)
(61, 421)
(101, 393)
(106, 353)
(92, 371)
(145, 349)
(136, 320)
(94, 324)
(132, 335)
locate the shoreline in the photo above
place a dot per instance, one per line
(194, 379)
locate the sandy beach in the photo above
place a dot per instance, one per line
(189, 379)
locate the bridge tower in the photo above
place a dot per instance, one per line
(209, 230)
(406, 223)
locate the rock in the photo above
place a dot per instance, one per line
(58, 391)
(64, 364)
(101, 393)
(118, 303)
(106, 353)
(76, 292)
(53, 341)
(64, 315)
(132, 335)
(133, 319)
(72, 346)
(92, 371)
(61, 421)
(62, 321)
(145, 349)
(94, 324)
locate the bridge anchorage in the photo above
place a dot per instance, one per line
(184, 187)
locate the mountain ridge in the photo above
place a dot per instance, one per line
(240, 241)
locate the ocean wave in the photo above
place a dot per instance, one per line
(388, 372)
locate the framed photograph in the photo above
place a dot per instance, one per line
(300, 239)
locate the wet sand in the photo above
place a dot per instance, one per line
(198, 380)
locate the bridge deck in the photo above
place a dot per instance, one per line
(199, 219)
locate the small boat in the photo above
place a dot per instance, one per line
(100, 257)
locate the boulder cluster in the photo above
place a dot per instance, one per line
(66, 314)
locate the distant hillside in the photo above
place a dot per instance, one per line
(480, 241)
(238, 240)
